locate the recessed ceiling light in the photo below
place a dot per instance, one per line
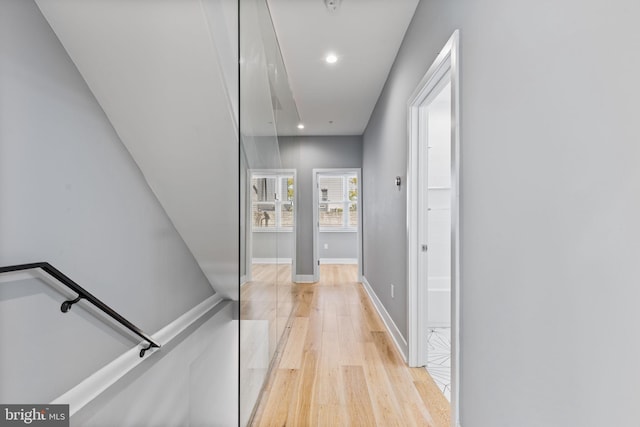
(331, 58)
(300, 126)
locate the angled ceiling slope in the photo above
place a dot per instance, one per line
(156, 71)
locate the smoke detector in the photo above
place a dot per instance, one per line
(332, 5)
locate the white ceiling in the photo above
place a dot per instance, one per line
(364, 34)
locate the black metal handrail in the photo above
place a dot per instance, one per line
(83, 294)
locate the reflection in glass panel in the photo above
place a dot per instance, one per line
(331, 188)
(353, 214)
(267, 109)
(287, 214)
(332, 215)
(264, 215)
(353, 188)
(264, 189)
(272, 200)
(287, 188)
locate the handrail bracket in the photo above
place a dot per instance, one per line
(66, 306)
(83, 294)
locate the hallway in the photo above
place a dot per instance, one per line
(337, 365)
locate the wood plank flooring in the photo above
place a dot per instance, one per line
(339, 367)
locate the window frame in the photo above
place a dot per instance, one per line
(345, 202)
(279, 175)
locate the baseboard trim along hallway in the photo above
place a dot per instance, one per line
(398, 339)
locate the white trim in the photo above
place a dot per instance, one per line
(16, 276)
(101, 380)
(272, 260)
(296, 218)
(316, 224)
(249, 226)
(273, 230)
(338, 260)
(304, 278)
(446, 63)
(244, 280)
(338, 230)
(392, 328)
(248, 220)
(456, 185)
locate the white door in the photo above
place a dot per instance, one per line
(435, 229)
(436, 219)
(433, 224)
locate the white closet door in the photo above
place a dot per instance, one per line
(439, 210)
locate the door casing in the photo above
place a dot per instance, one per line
(316, 219)
(446, 65)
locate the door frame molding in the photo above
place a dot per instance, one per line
(447, 62)
(316, 219)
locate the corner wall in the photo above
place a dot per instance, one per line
(550, 178)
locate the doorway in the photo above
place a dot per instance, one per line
(337, 218)
(272, 200)
(433, 224)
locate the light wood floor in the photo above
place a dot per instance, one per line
(339, 367)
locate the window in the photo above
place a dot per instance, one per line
(272, 202)
(338, 202)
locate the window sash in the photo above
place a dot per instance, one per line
(347, 223)
(279, 202)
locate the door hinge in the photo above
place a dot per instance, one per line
(424, 248)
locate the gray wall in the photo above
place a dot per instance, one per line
(306, 153)
(280, 245)
(181, 386)
(341, 245)
(272, 245)
(71, 195)
(550, 206)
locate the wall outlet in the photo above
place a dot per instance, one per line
(326, 246)
(392, 291)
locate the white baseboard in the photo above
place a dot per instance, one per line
(398, 339)
(271, 260)
(304, 278)
(338, 260)
(102, 379)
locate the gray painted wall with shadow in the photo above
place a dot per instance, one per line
(72, 195)
(306, 153)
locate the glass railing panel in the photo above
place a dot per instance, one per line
(269, 200)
